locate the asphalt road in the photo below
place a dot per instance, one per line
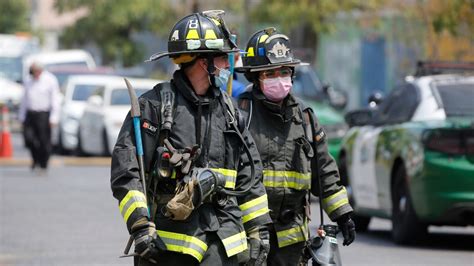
(68, 216)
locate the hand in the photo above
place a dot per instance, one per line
(347, 226)
(147, 242)
(259, 241)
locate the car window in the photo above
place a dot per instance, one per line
(56, 65)
(457, 99)
(11, 68)
(121, 97)
(399, 105)
(307, 85)
(99, 91)
(82, 92)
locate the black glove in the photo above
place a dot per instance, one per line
(259, 246)
(347, 226)
(147, 242)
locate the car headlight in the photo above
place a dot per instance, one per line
(336, 131)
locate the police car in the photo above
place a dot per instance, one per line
(411, 160)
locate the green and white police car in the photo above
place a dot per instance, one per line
(411, 160)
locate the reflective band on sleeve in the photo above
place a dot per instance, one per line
(235, 244)
(335, 201)
(230, 176)
(292, 235)
(183, 244)
(133, 200)
(254, 208)
(287, 179)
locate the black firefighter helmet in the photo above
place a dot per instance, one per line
(267, 49)
(198, 33)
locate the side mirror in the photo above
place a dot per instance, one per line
(375, 99)
(359, 117)
(337, 98)
(95, 100)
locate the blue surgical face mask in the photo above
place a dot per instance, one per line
(222, 79)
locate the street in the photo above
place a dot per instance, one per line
(68, 216)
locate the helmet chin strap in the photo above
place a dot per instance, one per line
(211, 69)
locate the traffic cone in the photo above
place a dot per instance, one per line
(6, 148)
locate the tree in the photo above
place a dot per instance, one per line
(14, 16)
(110, 24)
(306, 19)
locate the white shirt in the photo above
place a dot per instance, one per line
(41, 94)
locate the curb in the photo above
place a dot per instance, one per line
(56, 162)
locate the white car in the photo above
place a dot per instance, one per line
(104, 114)
(77, 90)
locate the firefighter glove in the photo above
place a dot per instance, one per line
(347, 226)
(259, 246)
(148, 244)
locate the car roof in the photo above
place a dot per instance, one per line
(60, 56)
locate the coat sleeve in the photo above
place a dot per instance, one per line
(335, 200)
(254, 205)
(125, 180)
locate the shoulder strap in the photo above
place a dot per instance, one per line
(245, 105)
(306, 111)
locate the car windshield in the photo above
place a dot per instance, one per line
(121, 97)
(457, 99)
(307, 85)
(57, 65)
(83, 91)
(11, 68)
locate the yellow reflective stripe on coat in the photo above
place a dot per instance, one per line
(254, 208)
(235, 244)
(335, 201)
(182, 243)
(287, 179)
(229, 174)
(293, 235)
(133, 200)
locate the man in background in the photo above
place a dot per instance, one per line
(39, 112)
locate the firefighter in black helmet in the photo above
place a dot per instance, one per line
(189, 124)
(279, 123)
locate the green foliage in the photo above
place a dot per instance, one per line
(315, 13)
(111, 23)
(14, 16)
(452, 14)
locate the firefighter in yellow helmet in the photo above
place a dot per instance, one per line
(280, 124)
(205, 199)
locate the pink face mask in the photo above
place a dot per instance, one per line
(276, 89)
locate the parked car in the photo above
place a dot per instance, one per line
(77, 90)
(104, 114)
(62, 73)
(411, 159)
(59, 59)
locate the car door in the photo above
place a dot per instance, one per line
(369, 179)
(91, 127)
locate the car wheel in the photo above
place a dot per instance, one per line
(79, 149)
(105, 143)
(406, 228)
(361, 222)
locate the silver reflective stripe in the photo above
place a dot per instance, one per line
(235, 244)
(335, 201)
(229, 174)
(183, 244)
(287, 179)
(133, 200)
(254, 208)
(293, 235)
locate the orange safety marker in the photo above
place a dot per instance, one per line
(6, 148)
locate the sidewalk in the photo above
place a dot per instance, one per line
(21, 157)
